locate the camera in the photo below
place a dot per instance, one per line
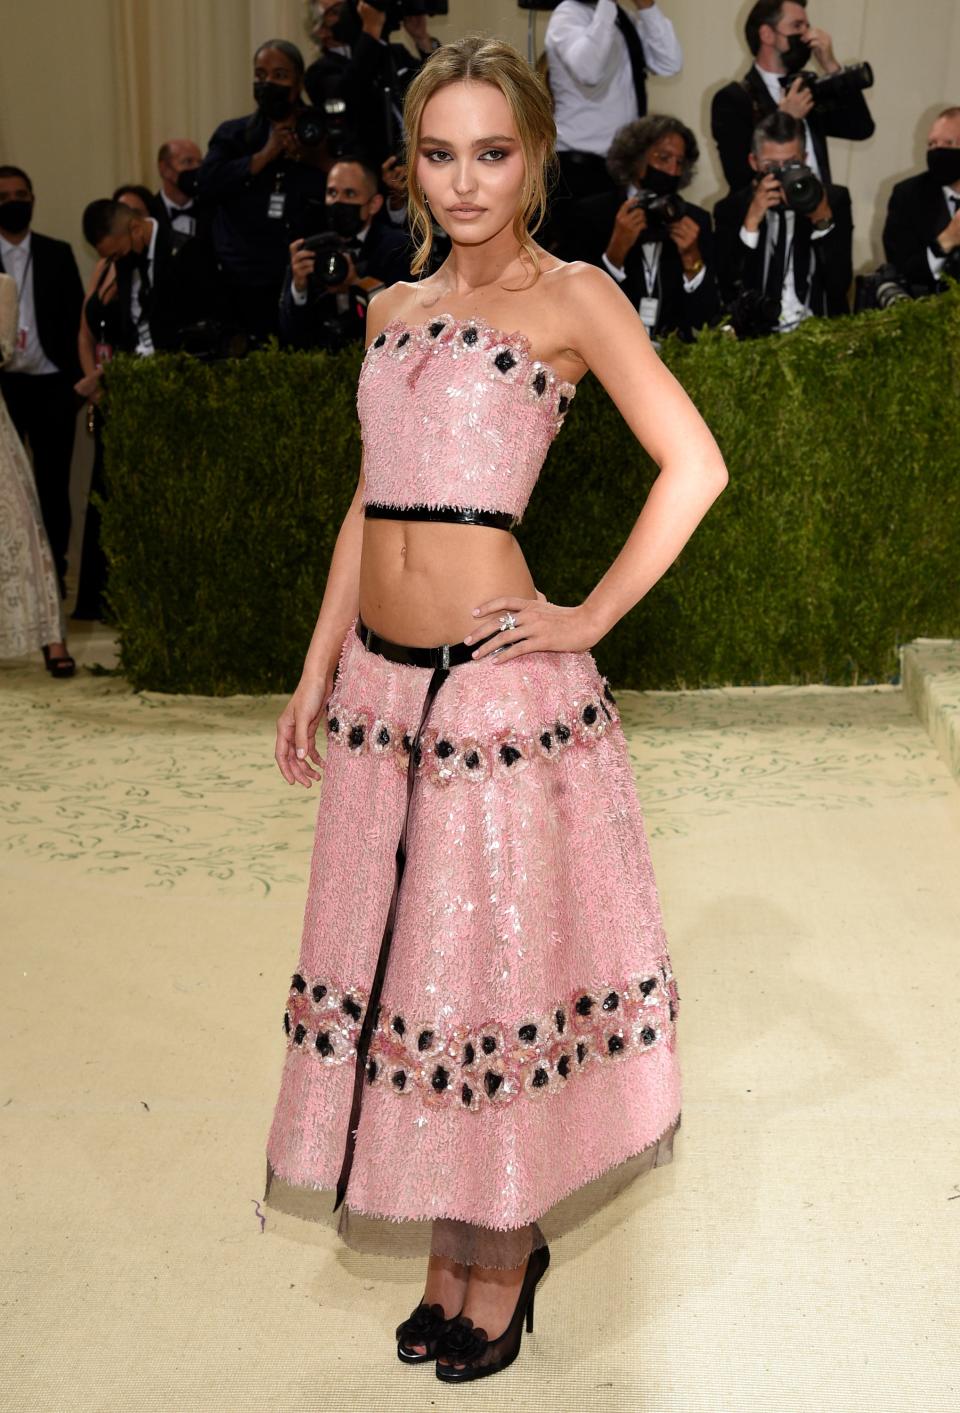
(829, 90)
(332, 266)
(309, 127)
(662, 211)
(802, 190)
(399, 10)
(754, 315)
(880, 289)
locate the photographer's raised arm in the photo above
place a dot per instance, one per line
(608, 334)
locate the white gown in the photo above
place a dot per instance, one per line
(31, 613)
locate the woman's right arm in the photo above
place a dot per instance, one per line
(89, 384)
(298, 724)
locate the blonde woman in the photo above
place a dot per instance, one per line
(481, 1030)
(31, 613)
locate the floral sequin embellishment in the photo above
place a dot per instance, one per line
(441, 756)
(474, 1067)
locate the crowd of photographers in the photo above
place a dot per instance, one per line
(296, 213)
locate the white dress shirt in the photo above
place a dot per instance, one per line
(590, 74)
(793, 310)
(936, 262)
(181, 217)
(776, 91)
(650, 253)
(144, 338)
(28, 355)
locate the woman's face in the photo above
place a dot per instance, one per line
(469, 162)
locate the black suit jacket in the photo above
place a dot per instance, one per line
(384, 254)
(823, 268)
(680, 312)
(166, 308)
(916, 215)
(196, 262)
(252, 248)
(58, 298)
(739, 107)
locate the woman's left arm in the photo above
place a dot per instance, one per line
(607, 333)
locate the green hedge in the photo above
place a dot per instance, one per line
(837, 538)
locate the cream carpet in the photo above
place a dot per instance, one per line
(801, 1252)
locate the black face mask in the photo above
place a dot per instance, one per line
(15, 216)
(345, 218)
(188, 181)
(348, 26)
(275, 100)
(661, 183)
(943, 164)
(797, 54)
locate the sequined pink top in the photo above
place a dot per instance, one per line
(456, 413)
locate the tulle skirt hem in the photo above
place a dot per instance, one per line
(305, 1214)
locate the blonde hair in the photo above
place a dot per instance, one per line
(478, 59)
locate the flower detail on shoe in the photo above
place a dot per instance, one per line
(464, 1342)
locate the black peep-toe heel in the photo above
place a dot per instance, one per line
(468, 1345)
(427, 1325)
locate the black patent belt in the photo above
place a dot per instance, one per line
(498, 519)
(445, 655)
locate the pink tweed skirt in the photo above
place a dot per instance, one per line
(522, 1067)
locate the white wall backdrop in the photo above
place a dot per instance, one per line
(88, 91)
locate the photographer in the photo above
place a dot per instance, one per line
(363, 254)
(261, 176)
(785, 242)
(657, 247)
(782, 40)
(359, 65)
(598, 54)
(921, 236)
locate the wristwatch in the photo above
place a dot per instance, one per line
(690, 274)
(823, 225)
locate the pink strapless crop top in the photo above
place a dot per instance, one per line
(456, 413)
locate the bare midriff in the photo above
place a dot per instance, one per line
(421, 580)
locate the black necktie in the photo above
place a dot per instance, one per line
(638, 60)
(776, 270)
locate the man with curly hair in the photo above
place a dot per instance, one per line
(664, 263)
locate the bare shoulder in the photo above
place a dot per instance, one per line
(387, 304)
(583, 283)
(591, 308)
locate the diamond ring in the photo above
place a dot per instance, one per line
(507, 620)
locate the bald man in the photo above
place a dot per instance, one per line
(188, 222)
(178, 162)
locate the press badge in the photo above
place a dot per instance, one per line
(650, 312)
(278, 200)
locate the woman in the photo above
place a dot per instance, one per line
(31, 613)
(99, 335)
(481, 1028)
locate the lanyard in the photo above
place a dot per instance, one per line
(651, 271)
